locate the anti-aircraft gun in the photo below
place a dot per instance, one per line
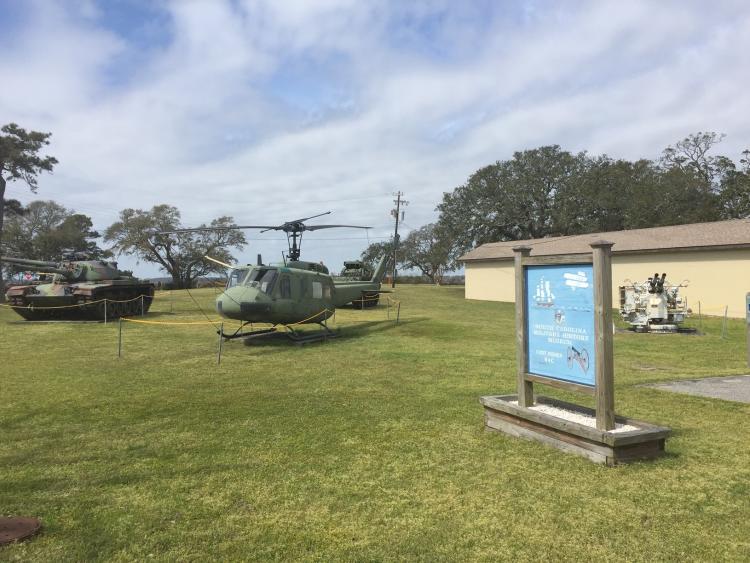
(77, 290)
(654, 305)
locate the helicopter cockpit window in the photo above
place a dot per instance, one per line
(236, 277)
(266, 282)
(261, 278)
(255, 275)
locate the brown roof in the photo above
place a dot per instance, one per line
(695, 236)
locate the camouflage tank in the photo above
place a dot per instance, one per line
(355, 271)
(76, 291)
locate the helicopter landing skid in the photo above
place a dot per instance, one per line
(239, 334)
(295, 336)
(300, 338)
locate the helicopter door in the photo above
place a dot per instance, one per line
(327, 290)
(317, 290)
(285, 288)
(323, 290)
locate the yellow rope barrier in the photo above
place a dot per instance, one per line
(303, 321)
(169, 322)
(86, 304)
(56, 307)
(213, 322)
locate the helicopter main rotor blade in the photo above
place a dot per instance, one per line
(204, 229)
(307, 218)
(316, 227)
(220, 263)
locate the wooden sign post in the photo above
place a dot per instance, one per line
(564, 340)
(605, 363)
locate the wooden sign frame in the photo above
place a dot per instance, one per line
(603, 390)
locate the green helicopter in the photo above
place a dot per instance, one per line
(293, 292)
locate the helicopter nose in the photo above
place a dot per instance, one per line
(246, 304)
(228, 305)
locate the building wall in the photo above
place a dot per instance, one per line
(716, 278)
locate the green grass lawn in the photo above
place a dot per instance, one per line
(368, 447)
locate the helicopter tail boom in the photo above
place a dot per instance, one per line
(377, 277)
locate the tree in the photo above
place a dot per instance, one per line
(428, 250)
(373, 253)
(735, 190)
(691, 155)
(512, 199)
(12, 208)
(550, 192)
(181, 255)
(45, 230)
(20, 160)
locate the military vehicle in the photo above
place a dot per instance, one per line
(654, 305)
(77, 290)
(290, 293)
(356, 270)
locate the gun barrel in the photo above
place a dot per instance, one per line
(41, 266)
(29, 263)
(660, 283)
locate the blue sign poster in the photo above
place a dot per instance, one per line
(560, 317)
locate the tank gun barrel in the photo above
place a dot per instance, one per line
(25, 262)
(38, 266)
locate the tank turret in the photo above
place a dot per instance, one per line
(71, 270)
(80, 289)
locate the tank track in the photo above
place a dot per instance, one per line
(125, 303)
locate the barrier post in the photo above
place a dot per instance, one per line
(724, 323)
(218, 354)
(142, 305)
(105, 311)
(700, 317)
(119, 339)
(398, 312)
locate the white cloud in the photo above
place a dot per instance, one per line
(274, 110)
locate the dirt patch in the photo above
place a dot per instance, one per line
(732, 388)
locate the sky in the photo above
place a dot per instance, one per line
(269, 111)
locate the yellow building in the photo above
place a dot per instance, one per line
(713, 259)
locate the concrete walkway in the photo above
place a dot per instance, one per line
(734, 388)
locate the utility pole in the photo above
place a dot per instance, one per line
(396, 213)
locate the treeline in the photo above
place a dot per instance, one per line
(537, 193)
(45, 230)
(548, 191)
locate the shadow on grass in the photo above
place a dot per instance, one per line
(357, 330)
(279, 340)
